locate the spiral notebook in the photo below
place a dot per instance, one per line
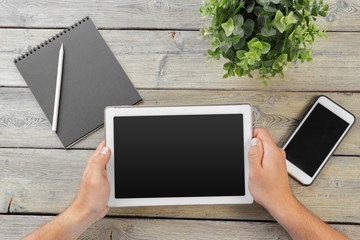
(92, 79)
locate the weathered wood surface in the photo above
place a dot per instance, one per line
(166, 60)
(47, 180)
(23, 124)
(15, 227)
(163, 64)
(154, 14)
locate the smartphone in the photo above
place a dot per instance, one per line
(319, 133)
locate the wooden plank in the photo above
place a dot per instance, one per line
(23, 124)
(343, 15)
(47, 181)
(15, 227)
(162, 60)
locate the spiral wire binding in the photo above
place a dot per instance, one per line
(46, 42)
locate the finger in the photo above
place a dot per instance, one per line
(98, 149)
(266, 139)
(283, 153)
(107, 154)
(101, 157)
(106, 210)
(255, 154)
(256, 131)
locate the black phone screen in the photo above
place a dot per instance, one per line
(179, 156)
(315, 139)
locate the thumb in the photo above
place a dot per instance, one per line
(102, 157)
(255, 153)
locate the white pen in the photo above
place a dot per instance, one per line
(58, 89)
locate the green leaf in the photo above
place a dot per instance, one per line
(282, 57)
(223, 2)
(325, 8)
(278, 16)
(257, 64)
(314, 11)
(240, 53)
(268, 32)
(291, 18)
(243, 65)
(225, 46)
(293, 53)
(211, 53)
(268, 63)
(258, 10)
(252, 41)
(265, 47)
(267, 8)
(282, 20)
(250, 6)
(235, 39)
(263, 70)
(319, 33)
(257, 45)
(228, 27)
(291, 36)
(227, 66)
(222, 37)
(280, 26)
(240, 44)
(238, 20)
(275, 1)
(307, 5)
(278, 21)
(238, 31)
(271, 54)
(239, 72)
(253, 55)
(263, 2)
(322, 13)
(251, 60)
(249, 26)
(275, 65)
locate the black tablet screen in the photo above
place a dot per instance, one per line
(315, 139)
(179, 156)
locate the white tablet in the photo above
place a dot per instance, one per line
(184, 155)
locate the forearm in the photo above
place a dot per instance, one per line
(300, 223)
(68, 225)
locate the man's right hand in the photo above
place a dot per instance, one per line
(269, 186)
(268, 179)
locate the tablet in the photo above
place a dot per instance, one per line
(183, 155)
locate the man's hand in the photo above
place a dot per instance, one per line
(89, 205)
(268, 179)
(94, 192)
(269, 186)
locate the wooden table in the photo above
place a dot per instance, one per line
(156, 43)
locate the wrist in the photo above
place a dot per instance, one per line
(285, 209)
(79, 216)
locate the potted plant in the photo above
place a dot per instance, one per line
(268, 35)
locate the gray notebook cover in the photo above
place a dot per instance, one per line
(92, 79)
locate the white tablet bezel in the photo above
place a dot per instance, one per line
(296, 172)
(111, 112)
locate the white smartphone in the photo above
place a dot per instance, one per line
(312, 143)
